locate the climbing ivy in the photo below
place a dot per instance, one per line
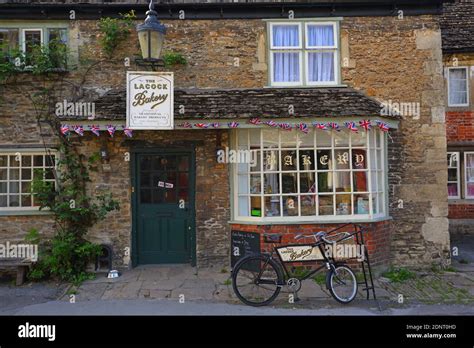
(114, 31)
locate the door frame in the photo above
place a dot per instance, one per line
(135, 151)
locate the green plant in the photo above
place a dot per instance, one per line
(224, 270)
(228, 282)
(397, 275)
(114, 31)
(320, 278)
(173, 58)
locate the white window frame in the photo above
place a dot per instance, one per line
(380, 188)
(287, 49)
(23, 38)
(458, 181)
(465, 174)
(22, 152)
(467, 86)
(303, 51)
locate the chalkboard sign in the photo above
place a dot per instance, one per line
(243, 244)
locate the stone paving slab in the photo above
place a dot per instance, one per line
(172, 281)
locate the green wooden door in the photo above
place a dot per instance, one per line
(164, 207)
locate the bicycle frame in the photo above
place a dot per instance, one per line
(328, 262)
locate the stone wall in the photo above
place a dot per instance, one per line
(386, 58)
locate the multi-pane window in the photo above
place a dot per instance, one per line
(469, 174)
(319, 175)
(453, 175)
(458, 86)
(29, 39)
(304, 53)
(17, 171)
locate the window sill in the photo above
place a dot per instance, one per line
(308, 86)
(24, 212)
(308, 222)
(461, 201)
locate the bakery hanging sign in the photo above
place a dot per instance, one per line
(149, 100)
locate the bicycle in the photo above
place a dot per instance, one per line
(262, 272)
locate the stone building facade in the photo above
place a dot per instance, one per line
(458, 59)
(384, 60)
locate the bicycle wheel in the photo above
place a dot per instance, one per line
(342, 284)
(256, 280)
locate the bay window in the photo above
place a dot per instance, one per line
(303, 53)
(17, 171)
(321, 175)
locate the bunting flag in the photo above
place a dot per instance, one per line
(271, 123)
(215, 125)
(334, 126)
(65, 129)
(185, 125)
(202, 125)
(351, 126)
(383, 126)
(285, 126)
(320, 126)
(128, 132)
(111, 130)
(95, 129)
(255, 121)
(303, 127)
(233, 124)
(79, 130)
(365, 124)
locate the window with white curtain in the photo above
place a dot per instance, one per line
(304, 53)
(453, 175)
(469, 174)
(458, 86)
(318, 176)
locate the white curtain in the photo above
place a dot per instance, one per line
(285, 36)
(321, 66)
(286, 65)
(457, 86)
(320, 35)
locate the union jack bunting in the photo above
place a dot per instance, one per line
(111, 130)
(365, 124)
(320, 126)
(271, 123)
(65, 129)
(255, 121)
(334, 126)
(383, 126)
(202, 125)
(285, 126)
(215, 125)
(128, 132)
(95, 129)
(233, 124)
(303, 127)
(351, 126)
(185, 125)
(79, 130)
